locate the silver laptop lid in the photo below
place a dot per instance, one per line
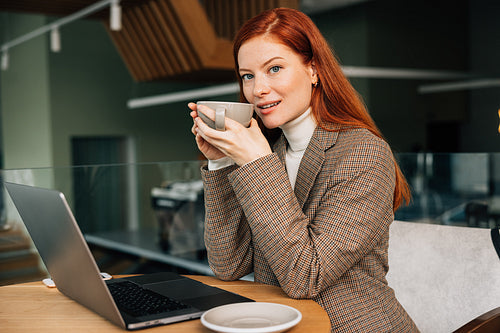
(63, 249)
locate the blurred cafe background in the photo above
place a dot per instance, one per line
(95, 104)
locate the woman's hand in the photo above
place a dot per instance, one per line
(209, 151)
(241, 144)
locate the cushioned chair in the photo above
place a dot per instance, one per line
(486, 323)
(444, 276)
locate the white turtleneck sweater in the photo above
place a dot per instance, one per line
(298, 133)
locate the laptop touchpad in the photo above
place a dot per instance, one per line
(182, 289)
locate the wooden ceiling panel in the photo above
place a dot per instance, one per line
(168, 39)
(150, 38)
(180, 48)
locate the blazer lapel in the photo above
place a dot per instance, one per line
(312, 161)
(279, 148)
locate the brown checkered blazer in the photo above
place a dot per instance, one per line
(327, 241)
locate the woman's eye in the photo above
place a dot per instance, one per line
(246, 77)
(275, 69)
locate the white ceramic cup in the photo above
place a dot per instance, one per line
(241, 112)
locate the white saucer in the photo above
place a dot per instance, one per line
(251, 317)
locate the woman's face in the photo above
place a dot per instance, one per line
(275, 80)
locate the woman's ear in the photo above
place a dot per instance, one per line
(314, 74)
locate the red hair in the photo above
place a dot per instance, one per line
(334, 100)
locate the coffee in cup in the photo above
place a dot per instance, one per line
(240, 112)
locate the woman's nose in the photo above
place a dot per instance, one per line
(260, 87)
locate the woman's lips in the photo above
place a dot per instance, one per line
(267, 107)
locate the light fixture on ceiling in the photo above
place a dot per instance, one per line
(55, 39)
(187, 95)
(5, 60)
(53, 28)
(115, 15)
(459, 85)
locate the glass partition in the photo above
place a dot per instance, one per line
(151, 210)
(453, 189)
(127, 196)
(460, 189)
(156, 211)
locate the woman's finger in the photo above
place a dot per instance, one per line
(232, 124)
(206, 111)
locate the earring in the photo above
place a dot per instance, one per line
(316, 80)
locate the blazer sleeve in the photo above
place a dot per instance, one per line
(350, 209)
(227, 234)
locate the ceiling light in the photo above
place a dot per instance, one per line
(55, 39)
(5, 60)
(115, 15)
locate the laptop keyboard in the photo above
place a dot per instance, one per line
(137, 301)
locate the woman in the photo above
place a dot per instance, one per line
(312, 214)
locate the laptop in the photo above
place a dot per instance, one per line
(168, 297)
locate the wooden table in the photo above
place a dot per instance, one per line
(32, 307)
